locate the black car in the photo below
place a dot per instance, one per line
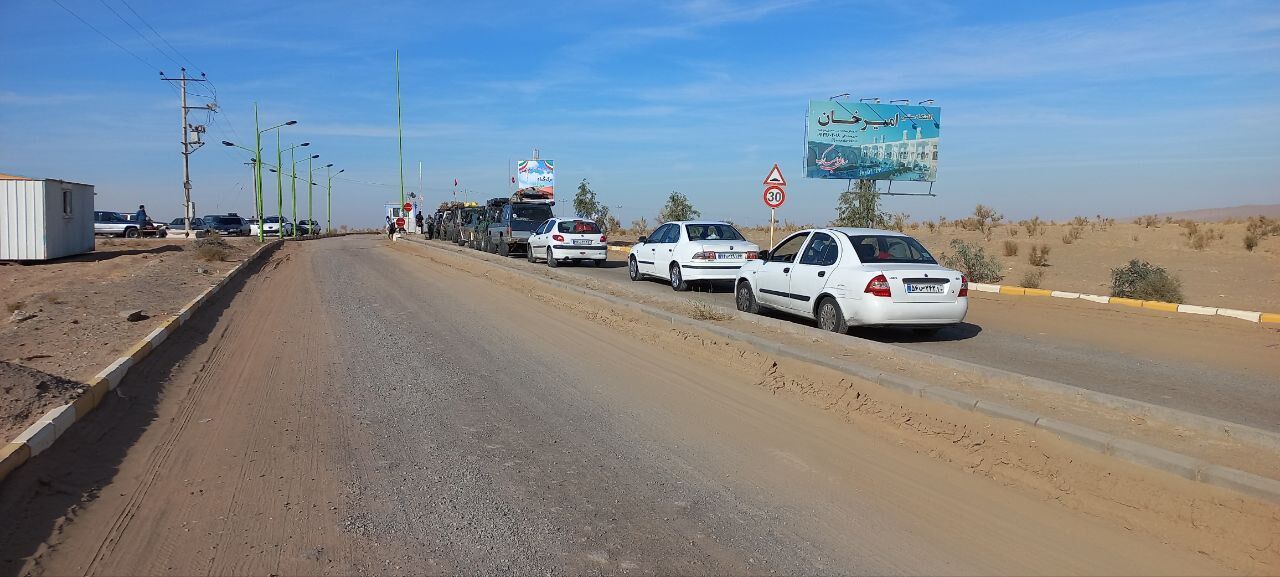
(227, 224)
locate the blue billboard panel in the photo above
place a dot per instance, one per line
(872, 141)
(538, 175)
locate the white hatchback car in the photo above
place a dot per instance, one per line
(568, 239)
(686, 251)
(845, 277)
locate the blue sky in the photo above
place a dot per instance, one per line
(1049, 108)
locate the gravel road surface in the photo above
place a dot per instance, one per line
(355, 409)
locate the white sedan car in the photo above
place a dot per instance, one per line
(568, 239)
(845, 277)
(686, 251)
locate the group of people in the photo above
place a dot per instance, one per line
(418, 219)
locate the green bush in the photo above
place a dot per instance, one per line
(1250, 242)
(1032, 279)
(1144, 281)
(973, 261)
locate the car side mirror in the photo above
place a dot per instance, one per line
(642, 240)
(764, 255)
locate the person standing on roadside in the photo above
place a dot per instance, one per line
(418, 220)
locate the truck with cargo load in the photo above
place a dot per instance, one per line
(513, 219)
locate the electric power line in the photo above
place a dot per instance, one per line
(138, 32)
(109, 39)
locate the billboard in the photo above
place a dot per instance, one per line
(872, 141)
(537, 174)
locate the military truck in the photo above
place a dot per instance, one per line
(513, 219)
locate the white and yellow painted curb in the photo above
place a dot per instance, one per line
(1251, 316)
(40, 436)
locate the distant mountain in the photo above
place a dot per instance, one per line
(1217, 214)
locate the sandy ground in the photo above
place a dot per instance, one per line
(77, 329)
(404, 413)
(1222, 275)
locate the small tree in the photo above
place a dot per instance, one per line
(677, 207)
(985, 219)
(973, 261)
(639, 225)
(860, 207)
(585, 204)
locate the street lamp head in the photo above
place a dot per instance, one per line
(330, 165)
(271, 169)
(305, 144)
(342, 171)
(291, 123)
(315, 156)
(228, 143)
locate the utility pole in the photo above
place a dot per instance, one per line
(190, 140)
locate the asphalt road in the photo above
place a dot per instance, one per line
(355, 409)
(1219, 367)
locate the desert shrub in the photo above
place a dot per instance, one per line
(344, 228)
(1068, 238)
(942, 222)
(1198, 238)
(1010, 248)
(1250, 242)
(1013, 230)
(1034, 226)
(1135, 237)
(915, 226)
(212, 249)
(1073, 234)
(707, 312)
(1261, 226)
(1032, 279)
(973, 261)
(1079, 221)
(1039, 255)
(899, 221)
(932, 226)
(1148, 221)
(1145, 281)
(984, 220)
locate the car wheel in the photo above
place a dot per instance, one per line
(131, 233)
(551, 259)
(164, 233)
(746, 298)
(504, 249)
(677, 280)
(599, 262)
(529, 255)
(633, 268)
(830, 317)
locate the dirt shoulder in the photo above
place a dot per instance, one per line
(62, 319)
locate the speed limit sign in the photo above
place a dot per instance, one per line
(774, 196)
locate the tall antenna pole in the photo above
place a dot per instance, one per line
(190, 142)
(400, 127)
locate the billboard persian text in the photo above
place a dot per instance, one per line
(871, 141)
(537, 174)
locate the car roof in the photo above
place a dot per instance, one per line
(684, 222)
(864, 231)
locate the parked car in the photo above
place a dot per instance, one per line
(845, 277)
(687, 251)
(569, 240)
(177, 226)
(148, 228)
(512, 221)
(271, 226)
(309, 227)
(113, 224)
(229, 224)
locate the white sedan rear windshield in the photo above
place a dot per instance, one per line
(712, 232)
(577, 227)
(878, 248)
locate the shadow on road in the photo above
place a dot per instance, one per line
(101, 255)
(36, 499)
(893, 335)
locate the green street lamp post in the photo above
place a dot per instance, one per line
(280, 181)
(294, 185)
(311, 174)
(328, 214)
(258, 162)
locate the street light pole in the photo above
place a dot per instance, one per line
(259, 189)
(293, 185)
(279, 187)
(258, 169)
(328, 215)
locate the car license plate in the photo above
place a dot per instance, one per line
(924, 288)
(728, 255)
(581, 241)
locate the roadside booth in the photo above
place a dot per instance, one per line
(44, 219)
(408, 211)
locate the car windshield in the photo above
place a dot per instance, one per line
(578, 227)
(886, 248)
(222, 220)
(712, 232)
(178, 222)
(535, 212)
(271, 219)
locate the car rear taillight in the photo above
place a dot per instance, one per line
(557, 238)
(752, 255)
(964, 286)
(878, 286)
(706, 255)
(603, 239)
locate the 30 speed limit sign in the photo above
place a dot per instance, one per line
(774, 196)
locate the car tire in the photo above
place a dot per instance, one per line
(551, 259)
(599, 263)
(504, 249)
(745, 298)
(633, 269)
(163, 234)
(529, 256)
(830, 317)
(131, 233)
(678, 283)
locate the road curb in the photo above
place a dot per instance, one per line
(1134, 452)
(40, 436)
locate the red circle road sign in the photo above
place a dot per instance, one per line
(408, 206)
(774, 196)
(400, 222)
